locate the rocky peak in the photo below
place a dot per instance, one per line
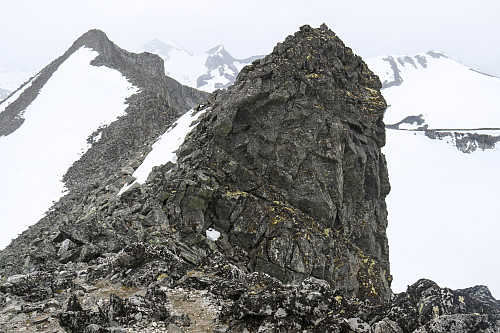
(292, 171)
(218, 56)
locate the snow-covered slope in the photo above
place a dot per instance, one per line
(444, 203)
(10, 81)
(446, 93)
(214, 69)
(76, 100)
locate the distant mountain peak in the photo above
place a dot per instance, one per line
(393, 68)
(434, 92)
(213, 69)
(216, 50)
(163, 48)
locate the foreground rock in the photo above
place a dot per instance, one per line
(146, 288)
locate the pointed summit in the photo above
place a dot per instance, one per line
(286, 165)
(218, 50)
(329, 72)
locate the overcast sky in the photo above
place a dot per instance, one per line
(34, 32)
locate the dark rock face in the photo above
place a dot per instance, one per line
(466, 142)
(287, 166)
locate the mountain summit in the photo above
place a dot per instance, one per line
(286, 165)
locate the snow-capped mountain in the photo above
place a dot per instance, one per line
(443, 154)
(214, 69)
(75, 123)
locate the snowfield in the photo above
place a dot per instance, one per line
(77, 99)
(443, 208)
(444, 204)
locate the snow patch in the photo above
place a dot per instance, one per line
(212, 234)
(165, 147)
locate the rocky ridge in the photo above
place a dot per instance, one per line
(286, 166)
(160, 101)
(110, 161)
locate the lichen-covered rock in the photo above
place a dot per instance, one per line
(425, 301)
(286, 164)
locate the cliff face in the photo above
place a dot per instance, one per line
(286, 164)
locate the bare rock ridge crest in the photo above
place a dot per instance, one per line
(160, 101)
(286, 165)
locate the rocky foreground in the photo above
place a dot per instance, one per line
(146, 288)
(286, 166)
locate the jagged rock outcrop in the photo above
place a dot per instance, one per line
(107, 296)
(286, 164)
